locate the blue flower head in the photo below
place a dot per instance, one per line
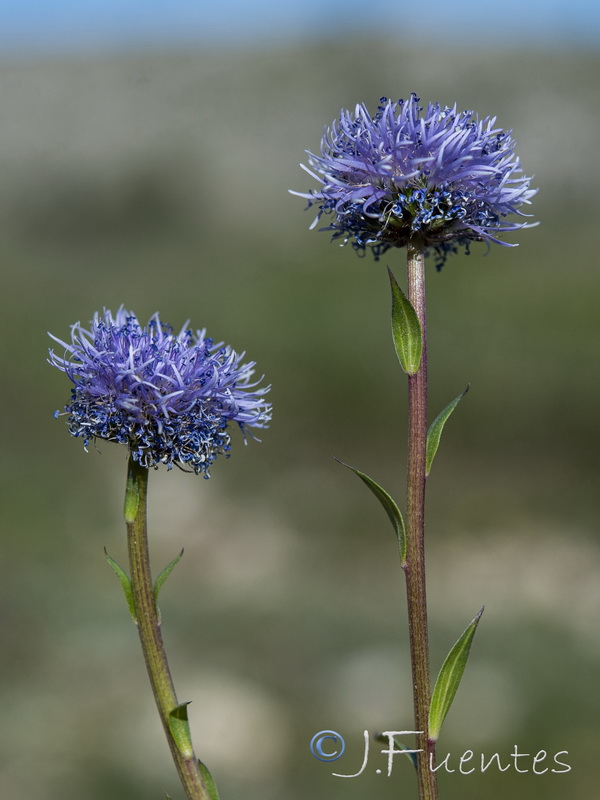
(443, 178)
(169, 397)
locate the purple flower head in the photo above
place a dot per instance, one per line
(168, 396)
(443, 178)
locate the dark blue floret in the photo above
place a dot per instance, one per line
(168, 397)
(443, 178)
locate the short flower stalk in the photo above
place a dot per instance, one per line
(431, 181)
(148, 622)
(170, 398)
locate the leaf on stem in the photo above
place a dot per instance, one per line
(132, 494)
(449, 679)
(158, 583)
(180, 729)
(406, 329)
(390, 506)
(209, 782)
(410, 754)
(434, 433)
(125, 583)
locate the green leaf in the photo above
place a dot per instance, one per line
(165, 574)
(125, 583)
(449, 679)
(180, 728)
(132, 494)
(211, 786)
(390, 506)
(408, 752)
(435, 431)
(406, 329)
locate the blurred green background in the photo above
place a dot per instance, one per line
(159, 180)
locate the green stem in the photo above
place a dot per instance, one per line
(148, 623)
(415, 533)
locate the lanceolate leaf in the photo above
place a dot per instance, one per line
(408, 752)
(165, 574)
(390, 506)
(125, 583)
(208, 781)
(449, 679)
(180, 728)
(435, 431)
(406, 329)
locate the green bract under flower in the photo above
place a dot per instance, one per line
(443, 178)
(169, 397)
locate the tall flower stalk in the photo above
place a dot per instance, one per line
(170, 399)
(414, 570)
(431, 182)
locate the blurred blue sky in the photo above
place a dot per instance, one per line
(74, 25)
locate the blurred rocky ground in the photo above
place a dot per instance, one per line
(159, 180)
